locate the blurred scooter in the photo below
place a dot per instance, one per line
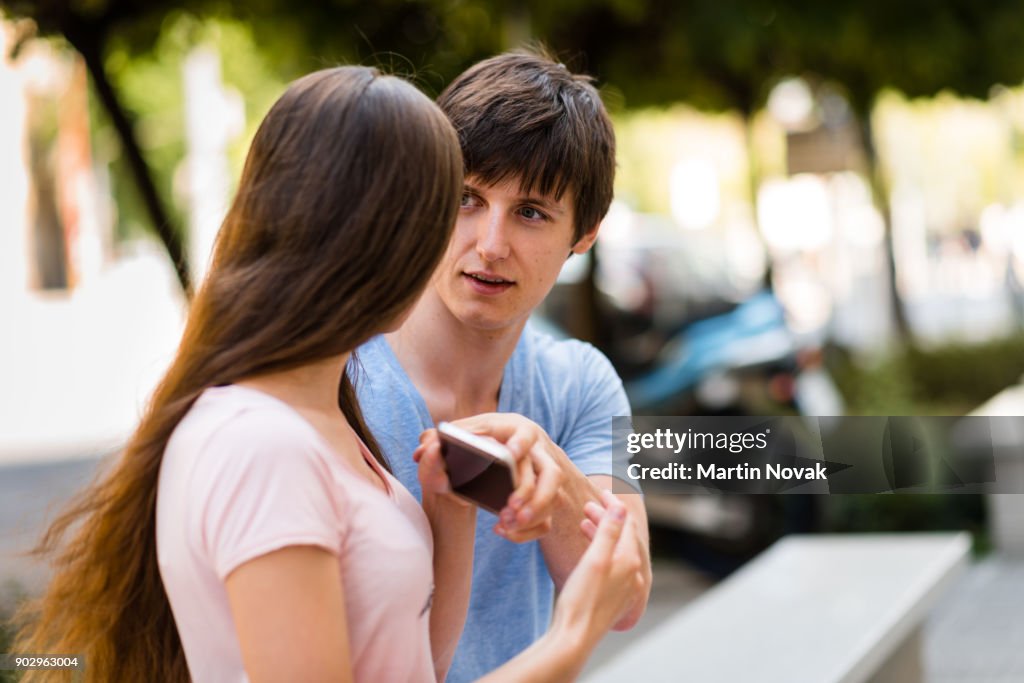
(688, 339)
(745, 361)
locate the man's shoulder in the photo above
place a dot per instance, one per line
(374, 367)
(384, 390)
(373, 350)
(559, 358)
(572, 391)
(557, 378)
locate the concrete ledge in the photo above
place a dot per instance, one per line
(820, 609)
(1006, 510)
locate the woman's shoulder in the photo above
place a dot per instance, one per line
(233, 427)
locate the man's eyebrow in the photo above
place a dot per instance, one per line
(543, 202)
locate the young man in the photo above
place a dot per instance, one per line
(539, 154)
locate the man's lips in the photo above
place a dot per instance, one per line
(487, 283)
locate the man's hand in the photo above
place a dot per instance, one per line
(527, 515)
(557, 509)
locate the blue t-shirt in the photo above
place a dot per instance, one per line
(568, 388)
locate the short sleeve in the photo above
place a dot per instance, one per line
(266, 485)
(602, 397)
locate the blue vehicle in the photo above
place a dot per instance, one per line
(687, 343)
(708, 362)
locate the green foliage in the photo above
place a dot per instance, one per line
(715, 55)
(250, 71)
(728, 53)
(883, 387)
(908, 512)
(150, 85)
(918, 47)
(431, 40)
(948, 380)
(6, 641)
(712, 53)
(964, 374)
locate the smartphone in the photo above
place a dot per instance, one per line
(480, 469)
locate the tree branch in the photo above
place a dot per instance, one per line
(87, 40)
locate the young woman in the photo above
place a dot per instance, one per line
(251, 530)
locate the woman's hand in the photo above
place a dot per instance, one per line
(592, 599)
(602, 585)
(432, 473)
(527, 515)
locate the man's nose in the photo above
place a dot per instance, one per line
(492, 237)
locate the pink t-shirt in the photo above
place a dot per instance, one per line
(244, 475)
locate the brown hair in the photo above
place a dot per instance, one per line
(344, 208)
(522, 115)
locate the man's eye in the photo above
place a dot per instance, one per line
(467, 199)
(531, 213)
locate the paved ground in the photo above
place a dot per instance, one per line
(30, 495)
(976, 635)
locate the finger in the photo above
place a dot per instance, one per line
(527, 481)
(608, 498)
(428, 438)
(516, 432)
(608, 533)
(628, 542)
(517, 535)
(529, 532)
(433, 473)
(588, 528)
(594, 512)
(519, 497)
(548, 482)
(433, 450)
(522, 440)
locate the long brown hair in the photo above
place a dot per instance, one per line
(345, 205)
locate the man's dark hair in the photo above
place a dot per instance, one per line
(523, 115)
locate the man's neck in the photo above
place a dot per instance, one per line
(457, 369)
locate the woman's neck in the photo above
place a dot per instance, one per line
(312, 387)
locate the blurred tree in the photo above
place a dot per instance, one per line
(715, 54)
(920, 48)
(427, 40)
(88, 28)
(729, 53)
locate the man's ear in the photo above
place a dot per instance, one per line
(584, 243)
